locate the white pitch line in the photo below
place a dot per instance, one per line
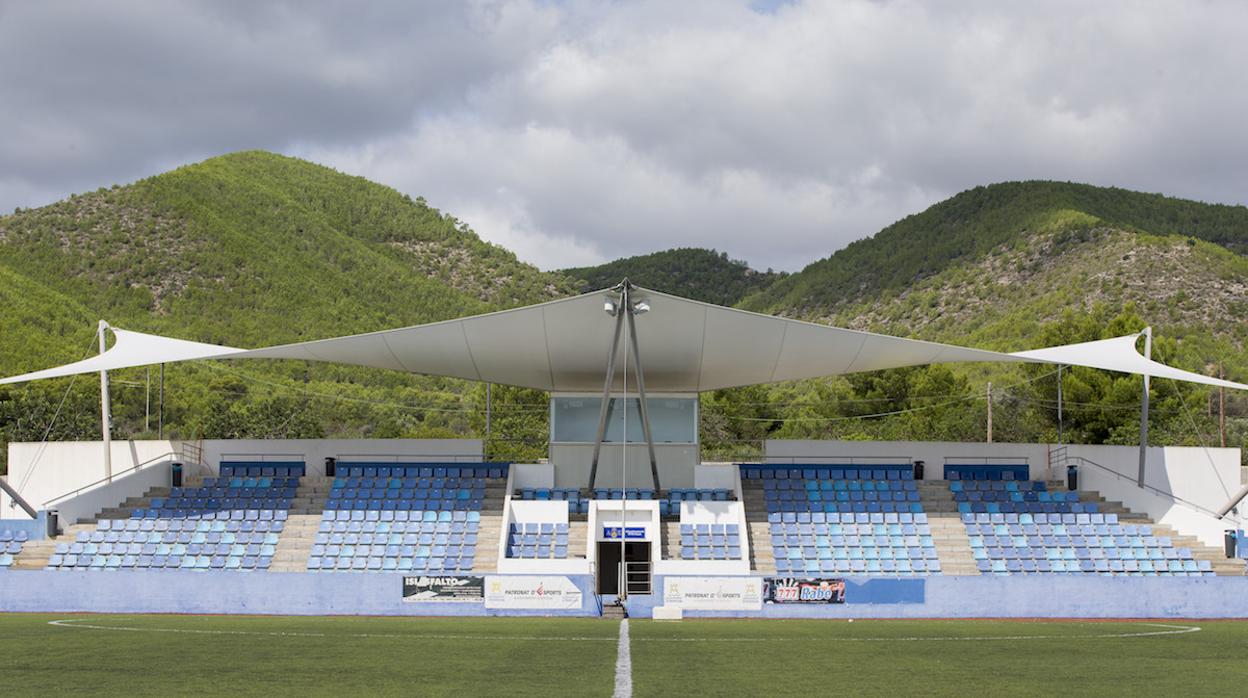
(1168, 630)
(80, 624)
(623, 665)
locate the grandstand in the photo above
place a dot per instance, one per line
(623, 514)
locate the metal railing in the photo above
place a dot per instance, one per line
(986, 460)
(837, 460)
(18, 499)
(637, 577)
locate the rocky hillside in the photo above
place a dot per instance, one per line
(249, 249)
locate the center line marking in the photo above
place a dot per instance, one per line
(623, 665)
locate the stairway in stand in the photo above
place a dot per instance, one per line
(578, 534)
(762, 555)
(302, 523)
(671, 540)
(953, 547)
(35, 553)
(486, 559)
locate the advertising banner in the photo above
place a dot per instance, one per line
(530, 591)
(437, 588)
(714, 593)
(797, 590)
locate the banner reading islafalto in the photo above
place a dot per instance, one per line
(531, 592)
(714, 593)
(441, 588)
(803, 590)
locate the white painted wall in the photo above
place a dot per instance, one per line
(41, 472)
(519, 511)
(532, 475)
(315, 451)
(91, 502)
(711, 513)
(537, 512)
(716, 476)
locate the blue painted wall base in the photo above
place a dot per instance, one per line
(258, 593)
(1032, 596)
(1041, 596)
(36, 528)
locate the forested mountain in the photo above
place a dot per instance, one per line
(701, 274)
(254, 249)
(976, 223)
(249, 249)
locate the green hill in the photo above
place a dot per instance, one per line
(251, 249)
(704, 275)
(975, 223)
(1022, 265)
(254, 249)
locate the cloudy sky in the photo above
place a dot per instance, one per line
(576, 132)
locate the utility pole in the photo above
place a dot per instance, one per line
(1059, 404)
(990, 412)
(105, 415)
(1148, 354)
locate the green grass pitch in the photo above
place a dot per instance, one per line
(306, 656)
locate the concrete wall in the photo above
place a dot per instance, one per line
(41, 472)
(290, 593)
(315, 451)
(1047, 596)
(91, 502)
(1039, 596)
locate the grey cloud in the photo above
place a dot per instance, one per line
(574, 132)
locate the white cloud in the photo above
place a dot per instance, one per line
(582, 131)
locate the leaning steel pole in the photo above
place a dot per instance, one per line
(1148, 354)
(604, 410)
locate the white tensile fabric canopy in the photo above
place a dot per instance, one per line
(563, 345)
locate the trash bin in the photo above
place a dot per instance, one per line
(1072, 477)
(918, 470)
(175, 475)
(331, 465)
(51, 519)
(1228, 541)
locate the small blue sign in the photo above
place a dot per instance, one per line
(630, 533)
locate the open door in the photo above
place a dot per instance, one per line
(637, 559)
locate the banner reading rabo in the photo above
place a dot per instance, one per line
(530, 591)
